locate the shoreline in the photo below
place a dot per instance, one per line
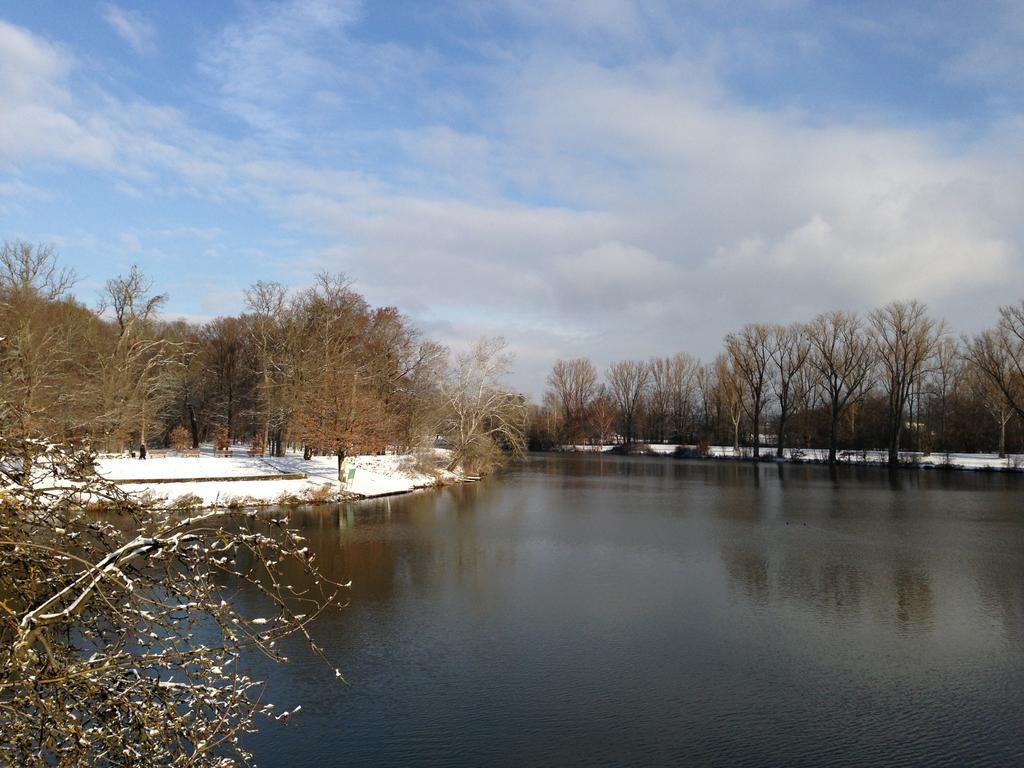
(209, 480)
(914, 460)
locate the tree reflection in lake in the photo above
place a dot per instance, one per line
(599, 610)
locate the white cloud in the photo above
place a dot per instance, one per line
(613, 277)
(132, 26)
(33, 101)
(275, 58)
(583, 207)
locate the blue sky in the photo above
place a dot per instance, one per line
(603, 178)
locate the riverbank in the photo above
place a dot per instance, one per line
(978, 462)
(240, 480)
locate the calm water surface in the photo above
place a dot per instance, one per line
(588, 610)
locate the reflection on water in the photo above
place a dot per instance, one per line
(596, 610)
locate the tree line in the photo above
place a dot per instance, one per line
(895, 379)
(317, 368)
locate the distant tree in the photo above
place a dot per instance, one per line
(47, 344)
(727, 392)
(32, 271)
(704, 380)
(943, 383)
(573, 384)
(221, 438)
(682, 373)
(994, 403)
(842, 356)
(180, 439)
(789, 350)
(268, 305)
(544, 426)
(337, 409)
(402, 371)
(131, 300)
(137, 378)
(482, 420)
(662, 389)
(999, 355)
(905, 339)
(627, 382)
(226, 356)
(750, 352)
(806, 395)
(602, 417)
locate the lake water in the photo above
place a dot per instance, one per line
(589, 610)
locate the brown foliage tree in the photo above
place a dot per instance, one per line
(179, 438)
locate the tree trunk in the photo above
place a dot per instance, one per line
(895, 427)
(833, 438)
(231, 413)
(780, 438)
(194, 425)
(1002, 438)
(894, 446)
(757, 437)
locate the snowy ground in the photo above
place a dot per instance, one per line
(976, 461)
(366, 476)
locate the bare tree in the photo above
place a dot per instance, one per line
(704, 380)
(46, 343)
(131, 300)
(119, 640)
(905, 339)
(573, 383)
(750, 352)
(841, 354)
(602, 416)
(682, 376)
(999, 355)
(268, 303)
(790, 349)
(994, 403)
(659, 398)
(806, 396)
(942, 384)
(482, 418)
(728, 391)
(627, 381)
(135, 381)
(227, 358)
(27, 269)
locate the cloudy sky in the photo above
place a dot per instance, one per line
(600, 177)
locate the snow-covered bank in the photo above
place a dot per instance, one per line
(287, 479)
(971, 461)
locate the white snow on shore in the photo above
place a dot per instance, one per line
(365, 476)
(975, 461)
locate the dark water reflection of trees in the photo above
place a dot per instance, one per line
(493, 619)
